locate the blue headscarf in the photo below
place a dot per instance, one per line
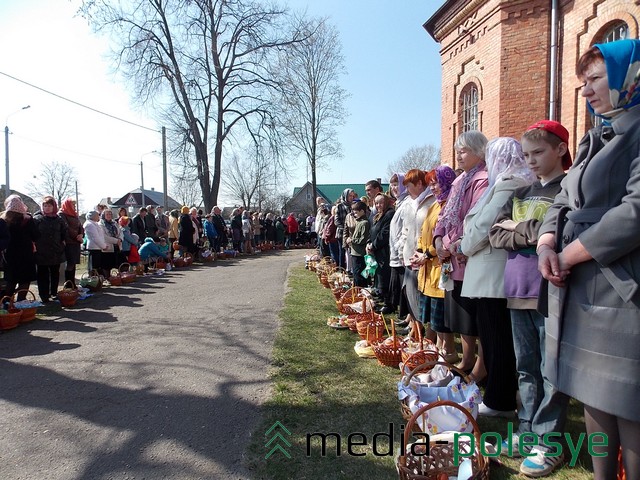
(622, 59)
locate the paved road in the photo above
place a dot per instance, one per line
(162, 379)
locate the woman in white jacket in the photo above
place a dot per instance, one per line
(96, 242)
(421, 199)
(484, 274)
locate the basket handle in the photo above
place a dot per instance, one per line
(94, 273)
(33, 295)
(443, 403)
(64, 285)
(123, 264)
(424, 365)
(10, 300)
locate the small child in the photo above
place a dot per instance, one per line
(545, 148)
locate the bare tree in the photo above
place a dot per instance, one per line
(207, 60)
(312, 103)
(246, 178)
(185, 189)
(57, 179)
(426, 157)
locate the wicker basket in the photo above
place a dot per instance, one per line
(68, 296)
(428, 352)
(389, 354)
(126, 275)
(370, 326)
(91, 280)
(439, 463)
(11, 319)
(425, 367)
(351, 296)
(115, 277)
(188, 259)
(28, 313)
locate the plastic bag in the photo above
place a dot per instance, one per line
(370, 266)
(446, 282)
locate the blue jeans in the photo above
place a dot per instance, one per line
(544, 409)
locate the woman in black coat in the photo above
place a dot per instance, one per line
(49, 247)
(20, 269)
(379, 245)
(185, 238)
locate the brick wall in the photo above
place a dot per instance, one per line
(503, 47)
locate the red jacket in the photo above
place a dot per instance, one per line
(292, 224)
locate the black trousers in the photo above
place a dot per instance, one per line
(48, 278)
(494, 329)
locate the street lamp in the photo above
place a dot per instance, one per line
(7, 189)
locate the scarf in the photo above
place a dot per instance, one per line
(445, 175)
(68, 208)
(504, 160)
(345, 195)
(14, 203)
(110, 225)
(622, 59)
(451, 214)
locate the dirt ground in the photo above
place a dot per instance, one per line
(159, 379)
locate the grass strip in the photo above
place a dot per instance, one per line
(321, 385)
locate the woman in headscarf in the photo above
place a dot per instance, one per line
(50, 248)
(73, 239)
(378, 245)
(467, 188)
(589, 250)
(113, 238)
(431, 296)
(484, 275)
(396, 298)
(20, 259)
(187, 231)
(174, 230)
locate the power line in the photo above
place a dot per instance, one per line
(74, 151)
(80, 104)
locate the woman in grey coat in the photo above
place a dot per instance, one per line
(593, 325)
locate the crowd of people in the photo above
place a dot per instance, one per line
(535, 269)
(531, 260)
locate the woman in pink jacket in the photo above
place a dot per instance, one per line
(460, 312)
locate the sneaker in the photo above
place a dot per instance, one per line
(490, 412)
(540, 465)
(515, 446)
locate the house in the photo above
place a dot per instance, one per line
(507, 64)
(31, 204)
(133, 200)
(302, 200)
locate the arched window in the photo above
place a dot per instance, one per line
(469, 110)
(618, 31)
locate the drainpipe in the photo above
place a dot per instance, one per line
(553, 70)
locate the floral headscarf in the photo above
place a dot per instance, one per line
(622, 59)
(445, 175)
(14, 203)
(69, 208)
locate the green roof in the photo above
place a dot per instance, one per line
(332, 191)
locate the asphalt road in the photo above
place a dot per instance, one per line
(159, 379)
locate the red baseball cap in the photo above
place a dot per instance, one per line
(559, 131)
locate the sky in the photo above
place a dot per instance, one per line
(393, 78)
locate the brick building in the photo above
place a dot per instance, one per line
(504, 65)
